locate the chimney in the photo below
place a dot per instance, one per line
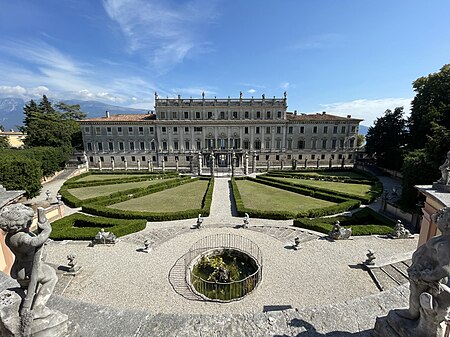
(295, 112)
(349, 116)
(324, 112)
(107, 114)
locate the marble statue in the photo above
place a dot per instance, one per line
(74, 267)
(199, 221)
(297, 243)
(445, 168)
(370, 261)
(105, 237)
(339, 233)
(400, 232)
(429, 300)
(25, 312)
(246, 220)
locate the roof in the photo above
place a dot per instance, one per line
(12, 133)
(320, 117)
(7, 197)
(122, 118)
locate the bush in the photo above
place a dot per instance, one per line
(21, 173)
(84, 227)
(363, 222)
(344, 204)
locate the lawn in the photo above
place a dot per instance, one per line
(83, 193)
(180, 198)
(342, 174)
(355, 189)
(99, 177)
(263, 197)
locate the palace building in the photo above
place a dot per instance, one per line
(180, 129)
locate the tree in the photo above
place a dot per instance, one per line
(3, 140)
(386, 139)
(431, 104)
(360, 140)
(21, 174)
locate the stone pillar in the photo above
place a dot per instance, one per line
(246, 163)
(163, 165)
(200, 163)
(281, 164)
(112, 164)
(149, 165)
(343, 162)
(254, 162)
(268, 165)
(139, 164)
(176, 165)
(306, 162)
(330, 163)
(294, 164)
(211, 163)
(318, 162)
(233, 164)
(125, 162)
(99, 164)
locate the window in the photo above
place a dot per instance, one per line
(246, 130)
(290, 129)
(198, 129)
(235, 114)
(141, 130)
(351, 143)
(341, 143)
(322, 156)
(151, 129)
(301, 144)
(258, 114)
(165, 158)
(222, 115)
(142, 145)
(100, 146)
(289, 156)
(246, 115)
(112, 159)
(324, 144)
(279, 114)
(350, 156)
(108, 130)
(152, 145)
(174, 115)
(199, 145)
(257, 145)
(278, 129)
(268, 115)
(300, 157)
(133, 158)
(333, 144)
(313, 156)
(175, 129)
(143, 158)
(210, 114)
(353, 129)
(277, 157)
(267, 157)
(188, 158)
(302, 129)
(246, 144)
(340, 156)
(89, 146)
(267, 129)
(122, 158)
(186, 115)
(257, 129)
(110, 146)
(278, 144)
(102, 159)
(87, 129)
(153, 158)
(119, 130)
(176, 158)
(131, 146)
(163, 115)
(325, 129)
(186, 145)
(289, 144)
(175, 145)
(121, 147)
(335, 129)
(186, 129)
(257, 158)
(163, 129)
(314, 129)
(343, 129)
(197, 114)
(164, 144)
(267, 144)
(130, 129)
(97, 130)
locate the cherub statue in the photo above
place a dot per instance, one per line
(29, 269)
(445, 168)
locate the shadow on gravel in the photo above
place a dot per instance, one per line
(310, 331)
(233, 203)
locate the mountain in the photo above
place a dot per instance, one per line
(11, 110)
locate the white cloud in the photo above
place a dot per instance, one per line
(192, 91)
(251, 91)
(367, 109)
(19, 91)
(166, 32)
(285, 85)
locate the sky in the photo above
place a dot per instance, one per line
(355, 57)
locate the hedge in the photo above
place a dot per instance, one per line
(376, 190)
(21, 173)
(344, 205)
(302, 171)
(84, 227)
(73, 201)
(375, 223)
(100, 208)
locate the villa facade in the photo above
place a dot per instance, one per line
(179, 129)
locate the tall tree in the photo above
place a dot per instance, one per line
(3, 140)
(386, 139)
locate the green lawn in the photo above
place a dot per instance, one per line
(83, 193)
(263, 197)
(180, 198)
(98, 177)
(355, 189)
(351, 175)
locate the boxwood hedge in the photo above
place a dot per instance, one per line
(84, 227)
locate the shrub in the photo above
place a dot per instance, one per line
(84, 227)
(21, 173)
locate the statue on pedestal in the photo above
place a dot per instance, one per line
(445, 168)
(429, 300)
(340, 233)
(24, 312)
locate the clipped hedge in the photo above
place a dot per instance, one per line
(344, 204)
(376, 189)
(364, 222)
(84, 227)
(74, 183)
(101, 207)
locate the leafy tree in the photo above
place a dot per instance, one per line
(3, 140)
(431, 104)
(386, 139)
(21, 174)
(360, 140)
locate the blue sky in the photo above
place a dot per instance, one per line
(356, 57)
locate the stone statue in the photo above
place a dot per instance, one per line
(339, 233)
(199, 221)
(297, 243)
(429, 300)
(400, 232)
(105, 237)
(370, 258)
(445, 168)
(73, 263)
(246, 220)
(25, 313)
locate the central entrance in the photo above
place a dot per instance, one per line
(222, 160)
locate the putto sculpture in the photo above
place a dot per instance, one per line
(103, 237)
(26, 313)
(429, 301)
(400, 232)
(246, 221)
(339, 233)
